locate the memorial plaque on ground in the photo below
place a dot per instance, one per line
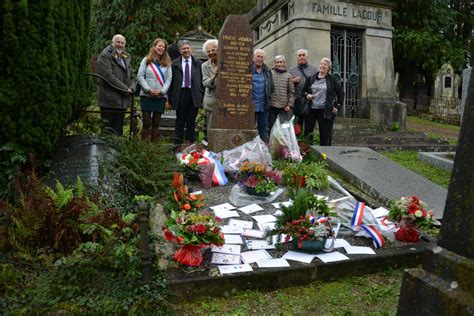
(233, 121)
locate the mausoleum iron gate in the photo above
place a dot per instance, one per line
(346, 54)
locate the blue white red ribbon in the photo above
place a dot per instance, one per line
(376, 236)
(218, 177)
(358, 214)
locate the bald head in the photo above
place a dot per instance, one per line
(118, 42)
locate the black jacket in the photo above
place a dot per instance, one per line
(334, 95)
(197, 89)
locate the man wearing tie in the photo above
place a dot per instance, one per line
(116, 87)
(186, 93)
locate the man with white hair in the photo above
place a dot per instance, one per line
(115, 89)
(262, 88)
(300, 74)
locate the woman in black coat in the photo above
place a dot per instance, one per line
(325, 96)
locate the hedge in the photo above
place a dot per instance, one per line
(44, 53)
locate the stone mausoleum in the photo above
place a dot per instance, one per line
(356, 35)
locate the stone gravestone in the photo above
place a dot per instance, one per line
(233, 119)
(445, 284)
(76, 156)
(466, 74)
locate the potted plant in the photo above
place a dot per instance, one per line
(258, 179)
(305, 221)
(409, 215)
(192, 231)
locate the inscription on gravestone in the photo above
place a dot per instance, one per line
(234, 86)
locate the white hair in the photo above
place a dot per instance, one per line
(212, 42)
(327, 61)
(304, 50)
(117, 36)
(258, 50)
(280, 57)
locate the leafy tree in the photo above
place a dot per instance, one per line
(141, 21)
(427, 34)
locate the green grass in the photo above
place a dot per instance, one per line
(409, 159)
(375, 294)
(419, 120)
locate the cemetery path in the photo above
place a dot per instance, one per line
(451, 132)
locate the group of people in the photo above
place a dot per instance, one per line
(313, 92)
(189, 84)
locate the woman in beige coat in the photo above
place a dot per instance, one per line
(283, 93)
(210, 70)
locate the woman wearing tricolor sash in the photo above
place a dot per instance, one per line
(154, 77)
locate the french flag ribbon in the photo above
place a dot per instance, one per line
(311, 218)
(376, 236)
(358, 214)
(322, 220)
(158, 74)
(218, 177)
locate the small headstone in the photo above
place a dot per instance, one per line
(445, 279)
(76, 156)
(233, 121)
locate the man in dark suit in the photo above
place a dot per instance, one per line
(114, 93)
(186, 93)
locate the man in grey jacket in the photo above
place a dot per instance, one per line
(114, 91)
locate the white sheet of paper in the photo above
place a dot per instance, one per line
(223, 207)
(380, 212)
(226, 214)
(252, 208)
(253, 233)
(353, 250)
(258, 244)
(299, 256)
(264, 218)
(235, 268)
(230, 249)
(233, 239)
(225, 258)
(282, 239)
(255, 255)
(384, 224)
(339, 243)
(280, 204)
(197, 192)
(273, 263)
(331, 257)
(232, 229)
(266, 226)
(243, 224)
(278, 213)
(322, 197)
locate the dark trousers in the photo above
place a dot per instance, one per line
(262, 124)
(273, 114)
(185, 118)
(325, 126)
(114, 119)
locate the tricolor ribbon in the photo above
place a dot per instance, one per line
(358, 214)
(374, 234)
(218, 177)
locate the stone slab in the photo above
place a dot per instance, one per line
(187, 286)
(382, 178)
(76, 156)
(439, 159)
(222, 139)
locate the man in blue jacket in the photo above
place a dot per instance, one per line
(262, 87)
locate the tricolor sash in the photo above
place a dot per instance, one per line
(376, 236)
(358, 214)
(158, 73)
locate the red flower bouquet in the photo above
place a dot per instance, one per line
(193, 231)
(409, 214)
